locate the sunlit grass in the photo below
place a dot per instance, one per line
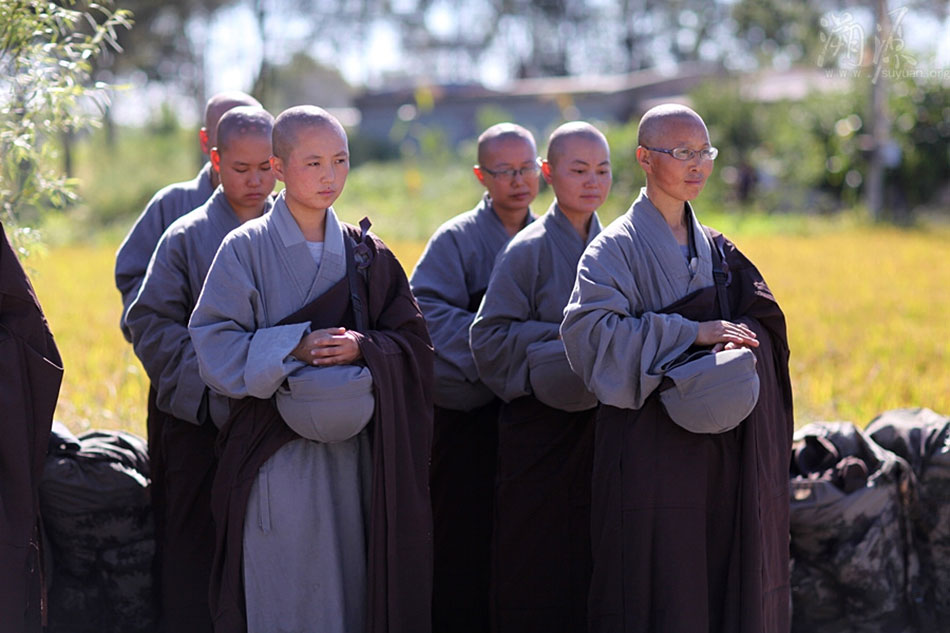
(867, 310)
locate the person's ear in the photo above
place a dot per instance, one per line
(644, 158)
(546, 171)
(216, 159)
(205, 141)
(277, 165)
(478, 174)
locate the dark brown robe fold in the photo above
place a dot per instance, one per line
(690, 532)
(397, 350)
(541, 563)
(30, 375)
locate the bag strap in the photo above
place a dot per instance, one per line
(356, 273)
(719, 276)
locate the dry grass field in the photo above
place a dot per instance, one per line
(867, 311)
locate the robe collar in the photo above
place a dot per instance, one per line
(485, 211)
(649, 223)
(221, 214)
(310, 279)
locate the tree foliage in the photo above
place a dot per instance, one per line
(46, 56)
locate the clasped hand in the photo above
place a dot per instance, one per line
(724, 335)
(329, 346)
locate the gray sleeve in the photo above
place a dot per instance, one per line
(614, 346)
(438, 283)
(132, 258)
(157, 320)
(236, 357)
(503, 328)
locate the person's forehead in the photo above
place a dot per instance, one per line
(582, 146)
(319, 139)
(681, 131)
(250, 142)
(509, 149)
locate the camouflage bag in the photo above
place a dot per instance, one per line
(94, 502)
(852, 560)
(922, 437)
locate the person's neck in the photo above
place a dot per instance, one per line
(243, 215)
(672, 210)
(512, 219)
(580, 221)
(312, 222)
(215, 179)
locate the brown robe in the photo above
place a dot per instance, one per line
(713, 508)
(30, 375)
(397, 350)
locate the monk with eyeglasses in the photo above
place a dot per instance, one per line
(689, 524)
(448, 282)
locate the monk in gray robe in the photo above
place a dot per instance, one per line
(330, 536)
(689, 530)
(131, 263)
(169, 204)
(541, 546)
(449, 281)
(158, 321)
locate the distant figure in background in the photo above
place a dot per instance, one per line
(448, 282)
(169, 204)
(690, 516)
(158, 321)
(131, 263)
(30, 375)
(320, 500)
(541, 544)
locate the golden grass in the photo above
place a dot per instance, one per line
(868, 311)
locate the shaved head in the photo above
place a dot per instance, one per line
(572, 129)
(243, 121)
(501, 131)
(291, 121)
(221, 103)
(658, 120)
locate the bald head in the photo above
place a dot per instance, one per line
(659, 120)
(243, 121)
(221, 103)
(500, 132)
(290, 122)
(574, 129)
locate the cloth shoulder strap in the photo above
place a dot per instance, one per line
(719, 275)
(357, 275)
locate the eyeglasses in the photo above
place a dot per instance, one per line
(524, 172)
(685, 153)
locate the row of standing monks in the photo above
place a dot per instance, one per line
(519, 472)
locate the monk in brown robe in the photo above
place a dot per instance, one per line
(30, 376)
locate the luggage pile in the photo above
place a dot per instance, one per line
(94, 500)
(870, 525)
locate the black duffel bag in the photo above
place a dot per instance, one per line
(94, 503)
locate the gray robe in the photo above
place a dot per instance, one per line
(541, 543)
(448, 282)
(304, 532)
(166, 206)
(522, 309)
(615, 338)
(158, 317)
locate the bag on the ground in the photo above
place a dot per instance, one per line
(94, 503)
(853, 564)
(922, 437)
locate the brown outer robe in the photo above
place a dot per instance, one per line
(397, 350)
(31, 372)
(654, 483)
